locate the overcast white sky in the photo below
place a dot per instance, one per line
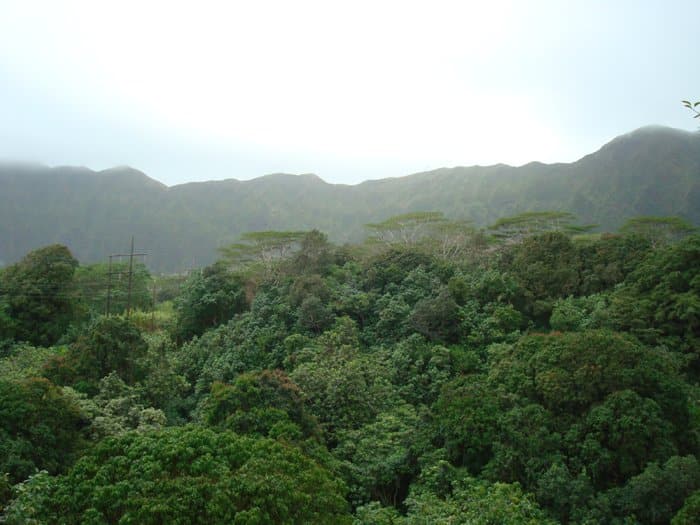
(347, 90)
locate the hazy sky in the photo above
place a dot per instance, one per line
(347, 90)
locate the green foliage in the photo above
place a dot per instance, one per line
(39, 428)
(190, 475)
(208, 299)
(375, 514)
(655, 495)
(660, 300)
(262, 249)
(601, 400)
(406, 229)
(619, 437)
(546, 267)
(36, 296)
(575, 314)
(415, 376)
(570, 372)
(419, 369)
(344, 388)
(116, 409)
(314, 316)
(377, 458)
(30, 495)
(158, 320)
(534, 222)
(692, 107)
(23, 361)
(251, 341)
(465, 417)
(315, 254)
(659, 230)
(393, 266)
(690, 512)
(437, 318)
(608, 260)
(259, 403)
(109, 344)
(163, 387)
(476, 502)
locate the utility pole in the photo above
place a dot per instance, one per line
(153, 309)
(130, 273)
(109, 285)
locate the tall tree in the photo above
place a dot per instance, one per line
(38, 294)
(519, 226)
(406, 229)
(187, 475)
(263, 247)
(659, 230)
(208, 298)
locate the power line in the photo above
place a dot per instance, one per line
(130, 273)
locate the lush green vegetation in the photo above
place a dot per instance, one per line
(437, 373)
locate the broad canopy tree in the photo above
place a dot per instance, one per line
(37, 297)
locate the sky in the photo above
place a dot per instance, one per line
(352, 90)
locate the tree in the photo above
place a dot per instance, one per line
(598, 401)
(476, 502)
(110, 344)
(189, 475)
(314, 316)
(39, 428)
(37, 294)
(465, 421)
(344, 389)
(660, 300)
(117, 408)
(208, 298)
(659, 230)
(315, 254)
(437, 317)
(260, 403)
(406, 229)
(657, 493)
(690, 512)
(519, 226)
(546, 267)
(619, 437)
(378, 462)
(263, 248)
(608, 260)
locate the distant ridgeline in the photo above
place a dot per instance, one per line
(653, 171)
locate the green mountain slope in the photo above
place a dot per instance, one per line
(651, 171)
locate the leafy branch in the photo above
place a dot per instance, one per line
(692, 106)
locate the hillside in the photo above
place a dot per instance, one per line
(651, 171)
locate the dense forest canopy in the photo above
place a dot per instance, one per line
(529, 372)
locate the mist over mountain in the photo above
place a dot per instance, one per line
(650, 171)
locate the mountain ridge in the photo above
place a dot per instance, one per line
(649, 171)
